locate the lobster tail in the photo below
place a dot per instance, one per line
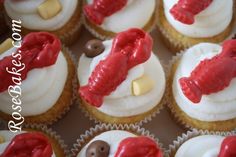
(90, 97)
(228, 147)
(190, 89)
(93, 15)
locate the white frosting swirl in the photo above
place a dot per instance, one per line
(26, 11)
(208, 23)
(8, 136)
(40, 90)
(214, 107)
(113, 138)
(201, 146)
(136, 13)
(121, 102)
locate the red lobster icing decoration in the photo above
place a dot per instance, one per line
(28, 145)
(38, 50)
(211, 75)
(129, 48)
(228, 147)
(185, 10)
(138, 147)
(100, 9)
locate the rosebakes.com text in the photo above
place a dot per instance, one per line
(15, 92)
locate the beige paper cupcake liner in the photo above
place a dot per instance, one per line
(102, 36)
(149, 115)
(98, 129)
(56, 139)
(155, 111)
(180, 116)
(68, 38)
(176, 46)
(191, 134)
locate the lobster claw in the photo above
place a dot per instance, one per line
(142, 51)
(229, 49)
(138, 147)
(228, 147)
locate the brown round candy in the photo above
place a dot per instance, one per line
(93, 48)
(98, 149)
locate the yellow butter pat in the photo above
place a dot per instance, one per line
(49, 9)
(2, 140)
(142, 85)
(6, 45)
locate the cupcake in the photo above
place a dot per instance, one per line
(114, 141)
(55, 16)
(31, 143)
(204, 144)
(121, 80)
(184, 23)
(202, 86)
(36, 79)
(105, 19)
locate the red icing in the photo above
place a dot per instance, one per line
(129, 48)
(185, 10)
(211, 75)
(228, 147)
(28, 145)
(138, 147)
(38, 50)
(99, 9)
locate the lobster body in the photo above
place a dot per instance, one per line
(185, 10)
(211, 75)
(106, 79)
(129, 49)
(100, 9)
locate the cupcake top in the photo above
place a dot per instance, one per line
(126, 78)
(29, 67)
(117, 143)
(204, 81)
(199, 19)
(48, 15)
(119, 15)
(28, 144)
(208, 146)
